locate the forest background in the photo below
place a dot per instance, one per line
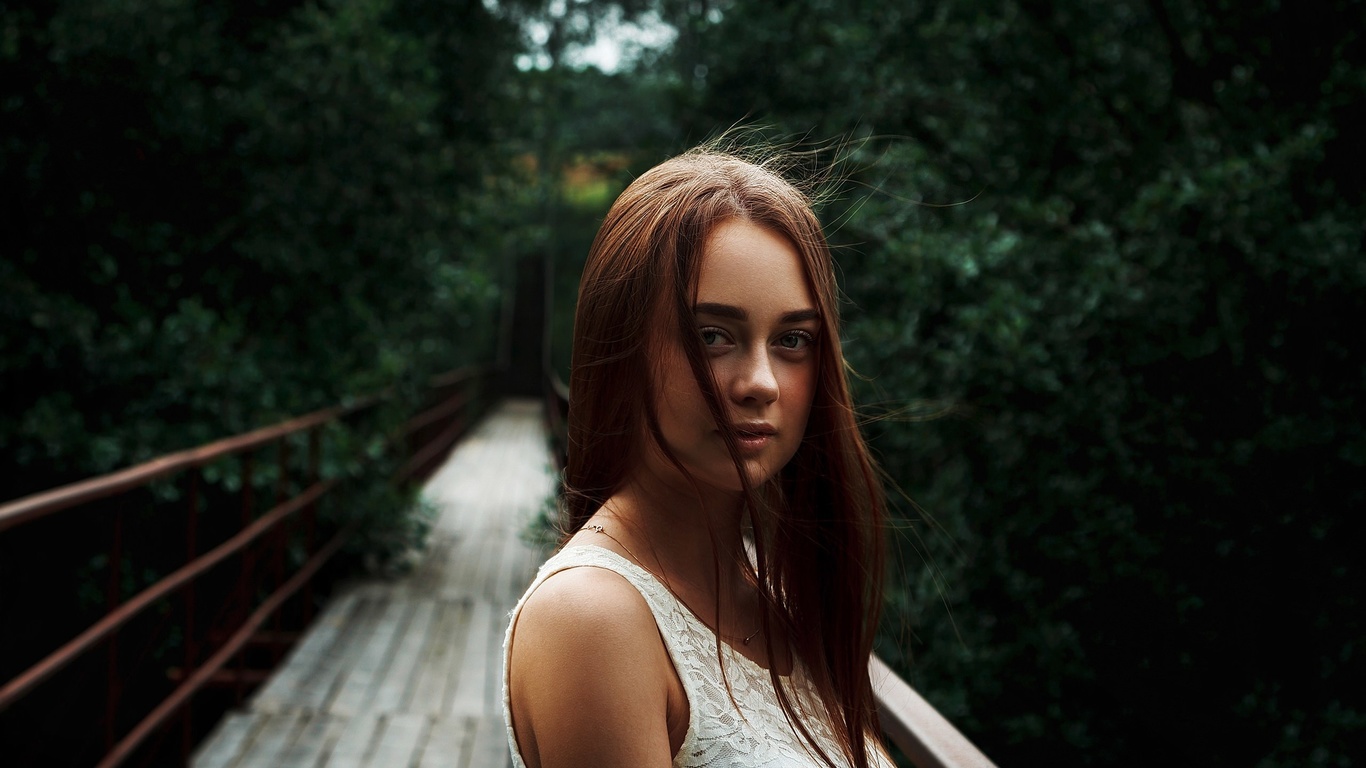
(1103, 264)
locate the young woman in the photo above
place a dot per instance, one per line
(716, 600)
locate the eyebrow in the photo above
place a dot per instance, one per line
(738, 313)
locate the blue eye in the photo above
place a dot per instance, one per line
(712, 336)
(796, 340)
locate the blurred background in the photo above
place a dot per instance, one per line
(1103, 267)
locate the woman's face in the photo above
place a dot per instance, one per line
(759, 325)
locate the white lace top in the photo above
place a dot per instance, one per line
(719, 736)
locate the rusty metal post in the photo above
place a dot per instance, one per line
(113, 596)
(280, 541)
(244, 591)
(282, 467)
(413, 441)
(122, 609)
(311, 514)
(191, 649)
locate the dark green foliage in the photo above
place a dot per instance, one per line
(1144, 316)
(588, 134)
(214, 216)
(1141, 320)
(218, 214)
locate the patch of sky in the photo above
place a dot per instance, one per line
(615, 42)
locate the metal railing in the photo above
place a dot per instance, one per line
(557, 417)
(916, 727)
(262, 546)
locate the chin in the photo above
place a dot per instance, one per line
(727, 480)
(758, 474)
(718, 472)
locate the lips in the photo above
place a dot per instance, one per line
(754, 436)
(755, 429)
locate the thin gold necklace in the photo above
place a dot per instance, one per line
(599, 529)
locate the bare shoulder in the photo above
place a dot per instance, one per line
(586, 601)
(588, 676)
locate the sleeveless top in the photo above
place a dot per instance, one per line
(719, 736)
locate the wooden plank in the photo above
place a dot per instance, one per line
(315, 692)
(493, 658)
(531, 560)
(489, 747)
(440, 659)
(488, 546)
(448, 743)
(274, 736)
(508, 584)
(399, 745)
(405, 672)
(490, 578)
(227, 741)
(428, 578)
(372, 659)
(469, 695)
(308, 658)
(395, 687)
(465, 567)
(319, 732)
(355, 743)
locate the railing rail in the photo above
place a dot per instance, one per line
(42, 504)
(557, 417)
(427, 436)
(917, 728)
(431, 433)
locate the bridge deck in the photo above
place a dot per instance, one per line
(404, 672)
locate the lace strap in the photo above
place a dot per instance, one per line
(672, 616)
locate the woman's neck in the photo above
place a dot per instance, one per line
(692, 542)
(685, 532)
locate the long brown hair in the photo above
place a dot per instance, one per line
(816, 526)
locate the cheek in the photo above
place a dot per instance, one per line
(672, 377)
(679, 403)
(800, 389)
(679, 393)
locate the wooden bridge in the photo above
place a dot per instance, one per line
(404, 672)
(399, 671)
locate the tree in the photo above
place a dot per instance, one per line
(222, 214)
(1141, 317)
(217, 215)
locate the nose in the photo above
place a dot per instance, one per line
(756, 381)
